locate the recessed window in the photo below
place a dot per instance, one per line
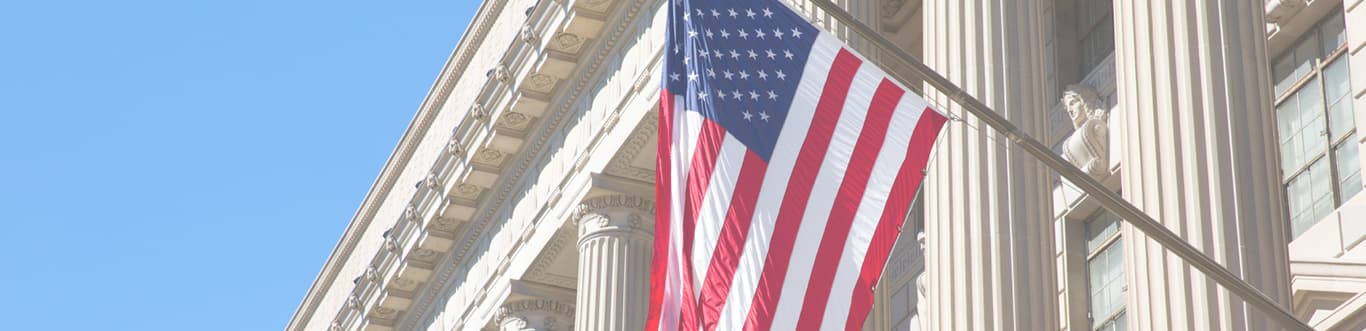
(1105, 272)
(1316, 124)
(1096, 24)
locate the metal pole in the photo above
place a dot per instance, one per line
(1110, 200)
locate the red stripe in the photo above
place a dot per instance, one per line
(789, 219)
(659, 266)
(699, 177)
(846, 203)
(716, 286)
(903, 190)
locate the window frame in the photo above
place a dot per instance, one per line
(1110, 242)
(1315, 75)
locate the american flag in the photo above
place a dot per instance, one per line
(785, 167)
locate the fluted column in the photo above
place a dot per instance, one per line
(989, 243)
(535, 315)
(1199, 155)
(615, 234)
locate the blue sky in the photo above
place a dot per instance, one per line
(189, 165)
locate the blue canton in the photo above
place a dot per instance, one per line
(738, 63)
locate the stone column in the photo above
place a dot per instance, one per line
(988, 208)
(1199, 155)
(615, 235)
(535, 315)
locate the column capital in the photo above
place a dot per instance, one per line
(538, 314)
(623, 214)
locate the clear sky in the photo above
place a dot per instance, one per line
(189, 165)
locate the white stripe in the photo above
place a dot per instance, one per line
(673, 289)
(828, 181)
(748, 270)
(715, 203)
(869, 213)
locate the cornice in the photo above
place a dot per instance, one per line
(451, 72)
(514, 175)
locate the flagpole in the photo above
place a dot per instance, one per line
(1108, 199)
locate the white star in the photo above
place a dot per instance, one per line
(778, 33)
(788, 54)
(721, 94)
(796, 33)
(686, 60)
(710, 73)
(732, 12)
(782, 75)
(744, 35)
(710, 35)
(760, 33)
(692, 34)
(700, 13)
(747, 115)
(703, 53)
(763, 75)
(692, 76)
(728, 74)
(763, 116)
(736, 94)
(772, 95)
(753, 95)
(734, 54)
(715, 13)
(753, 55)
(750, 13)
(744, 75)
(771, 54)
(725, 34)
(716, 53)
(677, 49)
(687, 16)
(702, 95)
(674, 76)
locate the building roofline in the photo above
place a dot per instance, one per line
(455, 66)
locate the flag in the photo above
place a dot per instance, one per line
(785, 166)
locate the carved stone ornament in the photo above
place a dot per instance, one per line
(491, 156)
(467, 191)
(515, 120)
(478, 112)
(568, 43)
(541, 83)
(425, 255)
(1089, 146)
(384, 313)
(534, 315)
(614, 213)
(501, 73)
(453, 146)
(528, 35)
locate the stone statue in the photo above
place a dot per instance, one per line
(1089, 146)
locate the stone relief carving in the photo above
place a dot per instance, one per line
(467, 191)
(491, 157)
(613, 213)
(1089, 146)
(541, 83)
(515, 120)
(529, 35)
(534, 315)
(568, 43)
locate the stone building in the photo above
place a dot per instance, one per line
(521, 195)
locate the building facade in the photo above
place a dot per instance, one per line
(521, 196)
